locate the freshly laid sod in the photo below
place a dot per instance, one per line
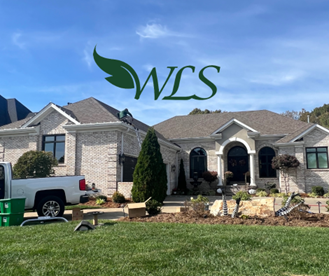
(163, 249)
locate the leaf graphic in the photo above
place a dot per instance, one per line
(122, 74)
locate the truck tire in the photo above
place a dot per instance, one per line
(51, 206)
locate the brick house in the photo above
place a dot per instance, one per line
(247, 141)
(87, 139)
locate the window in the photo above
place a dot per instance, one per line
(128, 168)
(265, 156)
(198, 162)
(56, 145)
(317, 158)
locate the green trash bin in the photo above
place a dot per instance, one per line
(12, 205)
(11, 219)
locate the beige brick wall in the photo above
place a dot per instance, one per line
(316, 177)
(14, 147)
(96, 159)
(125, 189)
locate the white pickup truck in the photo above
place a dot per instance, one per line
(47, 195)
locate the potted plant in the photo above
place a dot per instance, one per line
(227, 176)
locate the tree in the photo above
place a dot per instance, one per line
(35, 164)
(150, 177)
(284, 163)
(292, 114)
(181, 177)
(206, 111)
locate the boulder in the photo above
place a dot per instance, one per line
(261, 207)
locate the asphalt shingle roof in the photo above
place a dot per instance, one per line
(202, 125)
(88, 111)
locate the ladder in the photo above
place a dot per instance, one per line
(138, 136)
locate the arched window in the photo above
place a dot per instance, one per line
(198, 162)
(266, 155)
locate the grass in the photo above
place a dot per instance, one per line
(163, 249)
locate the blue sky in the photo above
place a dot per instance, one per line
(273, 54)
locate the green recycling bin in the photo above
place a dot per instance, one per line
(12, 205)
(11, 219)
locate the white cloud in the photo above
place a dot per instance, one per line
(155, 31)
(16, 40)
(87, 57)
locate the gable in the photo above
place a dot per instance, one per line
(47, 110)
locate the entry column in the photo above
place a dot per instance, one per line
(219, 168)
(252, 168)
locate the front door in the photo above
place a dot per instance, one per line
(237, 163)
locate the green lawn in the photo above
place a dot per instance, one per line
(163, 249)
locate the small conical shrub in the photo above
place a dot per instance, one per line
(181, 177)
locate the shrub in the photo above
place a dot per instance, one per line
(318, 190)
(211, 193)
(243, 195)
(209, 176)
(118, 198)
(260, 190)
(100, 201)
(35, 164)
(313, 195)
(274, 191)
(102, 197)
(269, 186)
(228, 174)
(153, 207)
(199, 199)
(294, 201)
(181, 177)
(261, 194)
(278, 195)
(150, 177)
(326, 195)
(327, 202)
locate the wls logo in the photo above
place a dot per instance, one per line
(124, 76)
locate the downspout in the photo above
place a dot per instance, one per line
(121, 165)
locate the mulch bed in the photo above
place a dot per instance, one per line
(301, 220)
(108, 204)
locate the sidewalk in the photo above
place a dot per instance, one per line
(170, 206)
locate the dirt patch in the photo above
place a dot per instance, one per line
(108, 204)
(301, 220)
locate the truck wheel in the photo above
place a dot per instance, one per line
(51, 206)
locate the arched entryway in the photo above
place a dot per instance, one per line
(238, 162)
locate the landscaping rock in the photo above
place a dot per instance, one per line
(262, 207)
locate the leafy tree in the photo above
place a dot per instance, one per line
(206, 111)
(284, 163)
(319, 115)
(35, 164)
(181, 177)
(150, 177)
